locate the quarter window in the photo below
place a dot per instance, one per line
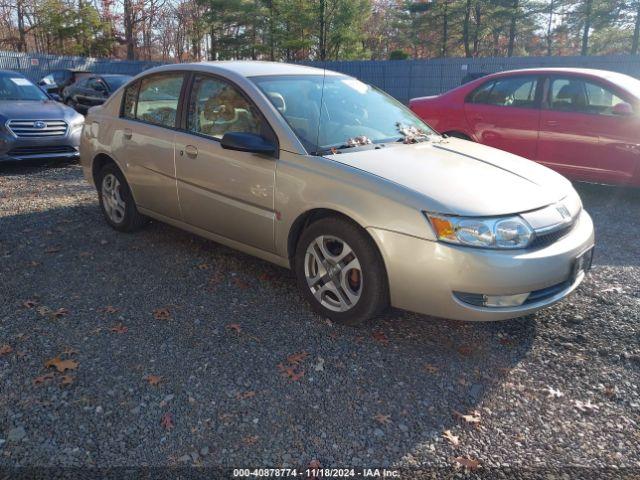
(158, 99)
(216, 107)
(517, 92)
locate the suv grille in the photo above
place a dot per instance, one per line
(41, 150)
(37, 128)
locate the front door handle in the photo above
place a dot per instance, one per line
(127, 133)
(552, 123)
(191, 150)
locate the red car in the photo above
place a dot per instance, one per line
(583, 123)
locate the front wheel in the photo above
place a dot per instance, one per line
(340, 271)
(116, 201)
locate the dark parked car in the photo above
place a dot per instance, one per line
(32, 126)
(58, 80)
(92, 90)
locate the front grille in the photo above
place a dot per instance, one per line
(37, 128)
(544, 240)
(41, 150)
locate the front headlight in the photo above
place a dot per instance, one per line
(77, 123)
(499, 233)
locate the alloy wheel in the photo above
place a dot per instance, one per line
(333, 273)
(114, 205)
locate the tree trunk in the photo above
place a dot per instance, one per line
(636, 31)
(128, 29)
(476, 33)
(22, 43)
(445, 29)
(549, 29)
(588, 5)
(323, 32)
(465, 29)
(512, 27)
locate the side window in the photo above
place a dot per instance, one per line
(517, 92)
(216, 107)
(129, 99)
(601, 100)
(481, 94)
(158, 99)
(568, 95)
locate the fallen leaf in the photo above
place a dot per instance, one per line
(468, 463)
(586, 407)
(33, 263)
(291, 371)
(266, 277)
(319, 366)
(110, 309)
(250, 440)
(473, 418)
(246, 395)
(43, 378)
(5, 350)
(153, 379)
(59, 313)
(380, 337)
(43, 311)
(609, 390)
(314, 464)
(61, 365)
(234, 326)
(52, 249)
(382, 419)
(240, 283)
(203, 266)
(119, 329)
(465, 350)
(297, 358)
(85, 254)
(429, 368)
(29, 303)
(451, 438)
(66, 380)
(162, 314)
(166, 421)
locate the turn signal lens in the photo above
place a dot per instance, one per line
(443, 227)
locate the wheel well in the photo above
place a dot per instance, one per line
(306, 219)
(457, 134)
(99, 162)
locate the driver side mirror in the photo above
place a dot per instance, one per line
(623, 109)
(247, 142)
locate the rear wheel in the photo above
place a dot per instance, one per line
(340, 271)
(116, 200)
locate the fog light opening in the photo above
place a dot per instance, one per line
(505, 300)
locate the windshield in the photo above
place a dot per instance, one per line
(16, 87)
(347, 113)
(116, 82)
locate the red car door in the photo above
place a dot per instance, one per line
(504, 113)
(584, 135)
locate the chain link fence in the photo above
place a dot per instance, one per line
(403, 79)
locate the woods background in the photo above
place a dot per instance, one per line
(299, 30)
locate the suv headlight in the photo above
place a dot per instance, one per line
(498, 233)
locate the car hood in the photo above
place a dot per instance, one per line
(34, 110)
(463, 178)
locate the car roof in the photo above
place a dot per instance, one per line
(249, 68)
(112, 75)
(592, 72)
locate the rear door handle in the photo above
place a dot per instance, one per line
(127, 133)
(191, 150)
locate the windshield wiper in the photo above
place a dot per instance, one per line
(353, 142)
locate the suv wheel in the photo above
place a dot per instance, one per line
(116, 200)
(340, 271)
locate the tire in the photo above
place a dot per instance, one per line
(116, 200)
(350, 296)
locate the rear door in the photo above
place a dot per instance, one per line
(222, 191)
(144, 141)
(504, 113)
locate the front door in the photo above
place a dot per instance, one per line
(144, 141)
(225, 192)
(504, 114)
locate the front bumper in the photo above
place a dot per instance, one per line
(423, 275)
(19, 148)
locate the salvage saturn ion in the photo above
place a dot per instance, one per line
(316, 171)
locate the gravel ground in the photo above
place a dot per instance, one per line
(179, 351)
